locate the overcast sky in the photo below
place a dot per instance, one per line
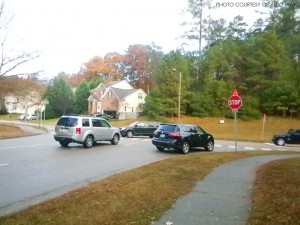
(69, 33)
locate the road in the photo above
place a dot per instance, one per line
(36, 168)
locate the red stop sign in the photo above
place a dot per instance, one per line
(235, 101)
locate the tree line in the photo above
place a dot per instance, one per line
(260, 61)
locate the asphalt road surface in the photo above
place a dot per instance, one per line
(36, 168)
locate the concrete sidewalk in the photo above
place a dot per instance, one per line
(222, 198)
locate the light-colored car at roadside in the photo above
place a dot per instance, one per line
(28, 117)
(85, 130)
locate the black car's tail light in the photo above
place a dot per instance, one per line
(174, 134)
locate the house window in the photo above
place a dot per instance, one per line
(140, 96)
(125, 108)
(109, 94)
(132, 109)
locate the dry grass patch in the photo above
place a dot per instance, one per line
(10, 131)
(276, 194)
(247, 130)
(138, 196)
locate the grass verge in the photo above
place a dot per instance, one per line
(138, 196)
(276, 193)
(11, 131)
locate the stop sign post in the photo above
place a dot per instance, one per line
(235, 102)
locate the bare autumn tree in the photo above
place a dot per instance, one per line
(10, 59)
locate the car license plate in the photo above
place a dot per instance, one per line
(64, 130)
(162, 135)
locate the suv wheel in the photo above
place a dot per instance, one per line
(280, 141)
(129, 133)
(64, 143)
(209, 145)
(115, 140)
(185, 147)
(88, 142)
(160, 148)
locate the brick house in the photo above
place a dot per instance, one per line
(116, 98)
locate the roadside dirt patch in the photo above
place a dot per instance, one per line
(11, 131)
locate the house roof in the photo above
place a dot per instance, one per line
(122, 93)
(112, 83)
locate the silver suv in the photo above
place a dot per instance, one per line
(85, 130)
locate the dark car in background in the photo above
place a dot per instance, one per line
(143, 128)
(182, 137)
(291, 137)
(102, 115)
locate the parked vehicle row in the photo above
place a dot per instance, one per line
(87, 130)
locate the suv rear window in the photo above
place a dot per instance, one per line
(168, 128)
(67, 122)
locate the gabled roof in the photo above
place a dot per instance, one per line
(122, 93)
(112, 83)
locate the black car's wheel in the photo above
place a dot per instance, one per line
(280, 141)
(88, 142)
(209, 145)
(129, 133)
(64, 143)
(160, 148)
(151, 136)
(115, 140)
(185, 147)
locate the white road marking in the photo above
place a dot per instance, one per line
(232, 146)
(269, 143)
(25, 146)
(4, 164)
(266, 149)
(218, 145)
(249, 148)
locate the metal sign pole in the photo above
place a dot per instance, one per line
(235, 130)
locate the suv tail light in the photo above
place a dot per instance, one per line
(78, 130)
(174, 134)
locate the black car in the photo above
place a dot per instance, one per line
(182, 137)
(102, 115)
(291, 137)
(144, 128)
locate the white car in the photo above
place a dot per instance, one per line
(32, 117)
(28, 117)
(85, 130)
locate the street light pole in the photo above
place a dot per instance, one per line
(179, 94)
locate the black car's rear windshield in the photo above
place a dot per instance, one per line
(67, 122)
(168, 128)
